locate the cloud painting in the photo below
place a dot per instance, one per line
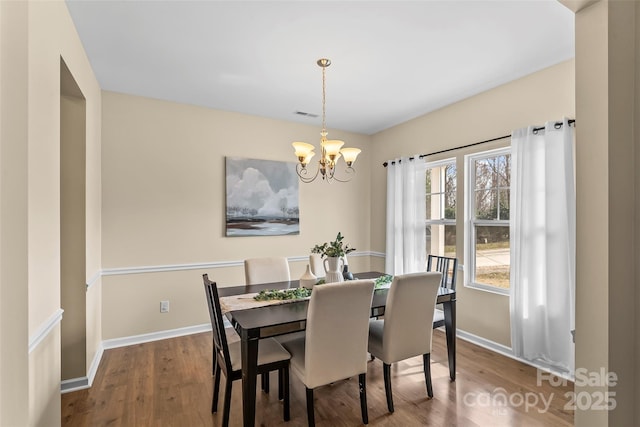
(262, 197)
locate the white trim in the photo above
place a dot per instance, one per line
(93, 279)
(377, 254)
(207, 265)
(81, 383)
(44, 329)
(169, 267)
(95, 363)
(506, 351)
(155, 336)
(74, 384)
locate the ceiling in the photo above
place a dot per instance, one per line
(391, 60)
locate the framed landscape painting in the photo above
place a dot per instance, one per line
(262, 197)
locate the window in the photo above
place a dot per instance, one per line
(441, 208)
(487, 214)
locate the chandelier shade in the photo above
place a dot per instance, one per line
(331, 149)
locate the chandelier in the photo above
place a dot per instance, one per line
(330, 149)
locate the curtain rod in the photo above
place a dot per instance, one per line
(557, 125)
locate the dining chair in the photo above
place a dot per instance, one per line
(448, 267)
(335, 345)
(271, 356)
(266, 270)
(405, 330)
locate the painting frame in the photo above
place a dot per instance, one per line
(262, 197)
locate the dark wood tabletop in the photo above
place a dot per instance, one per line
(255, 324)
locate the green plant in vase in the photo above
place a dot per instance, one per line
(335, 248)
(334, 251)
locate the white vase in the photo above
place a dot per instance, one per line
(307, 280)
(333, 267)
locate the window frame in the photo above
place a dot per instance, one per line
(443, 221)
(470, 223)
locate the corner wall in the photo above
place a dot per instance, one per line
(542, 96)
(34, 38)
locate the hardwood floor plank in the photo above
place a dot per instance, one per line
(169, 383)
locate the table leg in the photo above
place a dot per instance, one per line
(450, 328)
(249, 351)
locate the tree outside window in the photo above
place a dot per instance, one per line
(441, 208)
(488, 219)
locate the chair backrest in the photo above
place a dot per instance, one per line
(317, 266)
(266, 270)
(408, 315)
(217, 323)
(447, 266)
(337, 331)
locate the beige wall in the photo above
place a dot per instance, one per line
(164, 205)
(535, 99)
(35, 35)
(607, 40)
(14, 333)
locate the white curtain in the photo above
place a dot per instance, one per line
(543, 223)
(406, 215)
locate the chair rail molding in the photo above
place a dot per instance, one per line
(117, 271)
(44, 329)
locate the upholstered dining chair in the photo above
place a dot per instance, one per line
(271, 356)
(448, 267)
(406, 328)
(335, 345)
(266, 270)
(269, 270)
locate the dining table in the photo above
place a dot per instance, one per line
(263, 321)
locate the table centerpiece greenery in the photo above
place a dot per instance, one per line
(335, 248)
(283, 294)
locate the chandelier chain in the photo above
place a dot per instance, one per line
(324, 119)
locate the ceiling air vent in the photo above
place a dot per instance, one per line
(302, 113)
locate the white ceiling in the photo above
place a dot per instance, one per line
(391, 60)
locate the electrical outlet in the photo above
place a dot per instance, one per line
(164, 306)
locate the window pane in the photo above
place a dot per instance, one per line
(441, 240)
(486, 204)
(492, 257)
(450, 241)
(504, 204)
(450, 178)
(434, 206)
(504, 170)
(450, 205)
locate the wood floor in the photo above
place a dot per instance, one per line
(169, 383)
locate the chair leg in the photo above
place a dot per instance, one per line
(426, 358)
(311, 421)
(280, 380)
(362, 383)
(265, 382)
(216, 390)
(386, 369)
(227, 403)
(285, 380)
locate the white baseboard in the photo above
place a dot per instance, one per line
(508, 352)
(75, 384)
(155, 336)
